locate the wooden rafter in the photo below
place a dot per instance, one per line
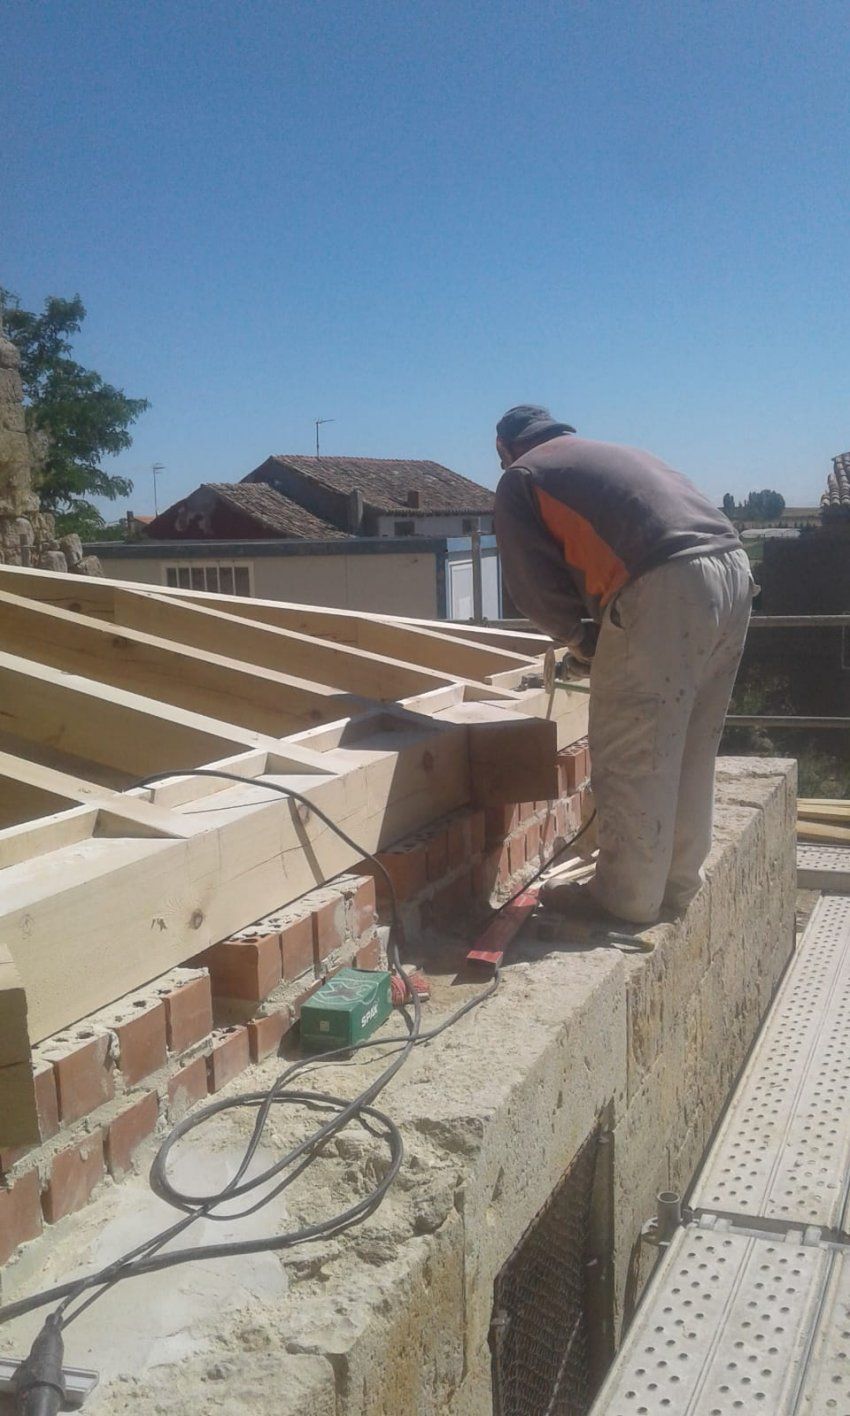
(386, 725)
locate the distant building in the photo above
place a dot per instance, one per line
(423, 577)
(137, 525)
(223, 511)
(355, 532)
(375, 496)
(323, 498)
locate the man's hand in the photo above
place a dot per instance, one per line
(572, 666)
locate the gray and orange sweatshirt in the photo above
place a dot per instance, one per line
(577, 520)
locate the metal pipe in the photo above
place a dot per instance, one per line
(477, 579)
(668, 1215)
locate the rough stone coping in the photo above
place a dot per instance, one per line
(492, 1114)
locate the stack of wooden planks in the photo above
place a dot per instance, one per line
(823, 820)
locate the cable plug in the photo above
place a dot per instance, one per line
(40, 1385)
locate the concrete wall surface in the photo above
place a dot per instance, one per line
(641, 1034)
(403, 584)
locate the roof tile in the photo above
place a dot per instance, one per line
(837, 494)
(274, 512)
(387, 483)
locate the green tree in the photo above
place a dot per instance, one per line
(80, 417)
(729, 504)
(764, 505)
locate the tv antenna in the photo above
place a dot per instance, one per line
(318, 423)
(156, 468)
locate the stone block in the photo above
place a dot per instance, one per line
(72, 548)
(89, 565)
(54, 560)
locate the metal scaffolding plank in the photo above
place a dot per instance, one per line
(783, 1151)
(826, 1385)
(823, 867)
(727, 1327)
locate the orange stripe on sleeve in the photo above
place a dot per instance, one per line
(583, 547)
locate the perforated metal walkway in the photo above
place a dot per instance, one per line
(749, 1310)
(823, 867)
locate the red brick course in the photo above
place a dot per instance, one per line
(140, 1029)
(126, 1133)
(499, 822)
(188, 1012)
(230, 1055)
(187, 1087)
(83, 1072)
(302, 997)
(266, 1034)
(46, 1099)
(20, 1214)
(369, 956)
(74, 1173)
(296, 945)
(244, 967)
(361, 905)
(437, 855)
(328, 918)
(407, 868)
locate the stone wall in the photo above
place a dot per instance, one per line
(27, 534)
(636, 1036)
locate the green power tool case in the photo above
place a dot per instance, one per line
(345, 1010)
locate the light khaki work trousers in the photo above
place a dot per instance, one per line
(663, 673)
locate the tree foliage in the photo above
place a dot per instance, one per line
(759, 506)
(764, 506)
(81, 418)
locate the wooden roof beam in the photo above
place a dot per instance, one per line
(107, 725)
(129, 909)
(197, 680)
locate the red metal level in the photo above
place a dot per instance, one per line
(490, 947)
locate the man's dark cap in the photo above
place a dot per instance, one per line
(529, 423)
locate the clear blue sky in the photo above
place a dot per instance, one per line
(407, 217)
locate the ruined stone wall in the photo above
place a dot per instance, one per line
(27, 534)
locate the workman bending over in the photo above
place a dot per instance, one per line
(589, 531)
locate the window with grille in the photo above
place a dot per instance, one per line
(405, 528)
(218, 577)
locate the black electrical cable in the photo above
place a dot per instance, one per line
(147, 1258)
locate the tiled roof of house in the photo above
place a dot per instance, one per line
(274, 512)
(392, 484)
(837, 494)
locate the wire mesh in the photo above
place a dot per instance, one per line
(539, 1333)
